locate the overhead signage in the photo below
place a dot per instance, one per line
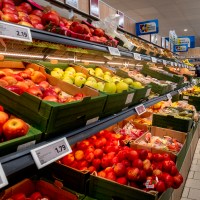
(121, 19)
(94, 8)
(147, 27)
(172, 36)
(72, 3)
(183, 40)
(181, 48)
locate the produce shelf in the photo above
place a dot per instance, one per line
(22, 160)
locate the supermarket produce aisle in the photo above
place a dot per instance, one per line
(192, 187)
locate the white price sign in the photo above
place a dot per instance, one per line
(137, 56)
(164, 62)
(90, 121)
(73, 3)
(50, 152)
(140, 109)
(169, 96)
(185, 97)
(3, 179)
(148, 92)
(184, 88)
(129, 98)
(154, 60)
(16, 32)
(179, 91)
(175, 64)
(172, 64)
(114, 51)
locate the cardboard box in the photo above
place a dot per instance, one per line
(53, 117)
(28, 186)
(157, 131)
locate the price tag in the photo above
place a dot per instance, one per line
(148, 92)
(137, 56)
(184, 88)
(169, 96)
(175, 64)
(154, 60)
(16, 32)
(50, 152)
(186, 97)
(3, 179)
(26, 145)
(164, 62)
(172, 64)
(129, 98)
(140, 109)
(114, 51)
(73, 3)
(90, 121)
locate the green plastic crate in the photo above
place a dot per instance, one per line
(159, 89)
(171, 122)
(193, 100)
(105, 189)
(174, 78)
(10, 146)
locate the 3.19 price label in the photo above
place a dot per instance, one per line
(50, 152)
(16, 32)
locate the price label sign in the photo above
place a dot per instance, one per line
(172, 64)
(90, 121)
(179, 91)
(140, 109)
(16, 32)
(50, 152)
(154, 60)
(175, 64)
(164, 62)
(114, 51)
(148, 92)
(169, 96)
(129, 98)
(3, 179)
(73, 3)
(184, 88)
(185, 97)
(137, 56)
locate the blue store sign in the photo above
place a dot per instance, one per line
(183, 40)
(181, 48)
(147, 27)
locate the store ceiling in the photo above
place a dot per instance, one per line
(172, 14)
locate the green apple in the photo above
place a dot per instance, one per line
(91, 71)
(137, 85)
(100, 86)
(58, 70)
(115, 79)
(71, 69)
(107, 73)
(81, 74)
(79, 81)
(99, 74)
(69, 74)
(121, 86)
(129, 81)
(91, 84)
(91, 79)
(56, 74)
(107, 77)
(110, 88)
(68, 80)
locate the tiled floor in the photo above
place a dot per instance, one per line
(192, 186)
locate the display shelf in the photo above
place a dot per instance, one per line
(21, 160)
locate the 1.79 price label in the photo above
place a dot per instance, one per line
(50, 152)
(13, 31)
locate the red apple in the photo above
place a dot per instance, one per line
(7, 5)
(98, 153)
(142, 176)
(99, 32)
(50, 17)
(84, 144)
(2, 74)
(160, 186)
(25, 23)
(132, 155)
(137, 163)
(89, 156)
(111, 176)
(91, 169)
(1, 108)
(10, 80)
(14, 128)
(143, 154)
(50, 98)
(38, 77)
(36, 196)
(115, 160)
(10, 17)
(167, 165)
(79, 155)
(39, 13)
(8, 72)
(147, 166)
(24, 75)
(167, 179)
(3, 118)
(119, 169)
(35, 91)
(178, 180)
(18, 196)
(15, 88)
(8, 2)
(38, 26)
(157, 157)
(126, 163)
(96, 163)
(122, 180)
(26, 7)
(157, 173)
(174, 171)
(166, 156)
(83, 165)
(18, 77)
(35, 19)
(105, 162)
(29, 83)
(132, 174)
(102, 174)
(3, 83)
(68, 159)
(9, 11)
(23, 86)
(44, 84)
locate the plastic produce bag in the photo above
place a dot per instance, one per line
(110, 24)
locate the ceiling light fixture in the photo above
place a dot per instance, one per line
(185, 30)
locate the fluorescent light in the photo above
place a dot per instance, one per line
(20, 55)
(114, 63)
(91, 61)
(185, 30)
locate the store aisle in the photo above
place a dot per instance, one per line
(192, 186)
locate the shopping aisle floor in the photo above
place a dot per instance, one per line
(192, 186)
